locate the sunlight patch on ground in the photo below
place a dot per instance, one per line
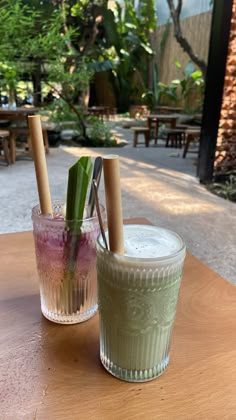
(79, 151)
(179, 175)
(165, 189)
(176, 201)
(119, 137)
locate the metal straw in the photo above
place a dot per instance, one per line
(94, 183)
(97, 170)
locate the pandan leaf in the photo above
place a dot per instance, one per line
(78, 181)
(79, 177)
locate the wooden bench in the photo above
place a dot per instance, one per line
(24, 132)
(145, 131)
(4, 145)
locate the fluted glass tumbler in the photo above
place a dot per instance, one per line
(66, 262)
(137, 300)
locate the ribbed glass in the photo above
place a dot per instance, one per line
(66, 264)
(137, 301)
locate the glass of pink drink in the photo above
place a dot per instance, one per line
(66, 262)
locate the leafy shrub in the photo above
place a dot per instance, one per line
(99, 134)
(225, 189)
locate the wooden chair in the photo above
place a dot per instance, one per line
(191, 135)
(15, 132)
(176, 137)
(153, 125)
(4, 137)
(145, 131)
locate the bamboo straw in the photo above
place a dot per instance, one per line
(111, 170)
(38, 151)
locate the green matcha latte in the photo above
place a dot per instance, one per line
(137, 299)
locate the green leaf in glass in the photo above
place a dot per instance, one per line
(78, 181)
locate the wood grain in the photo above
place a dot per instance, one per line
(50, 371)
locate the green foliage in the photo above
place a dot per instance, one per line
(60, 112)
(67, 42)
(17, 25)
(128, 30)
(78, 8)
(191, 83)
(99, 134)
(50, 50)
(78, 181)
(225, 189)
(30, 44)
(8, 76)
(160, 93)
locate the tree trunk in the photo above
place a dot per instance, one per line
(36, 79)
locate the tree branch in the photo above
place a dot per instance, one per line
(183, 42)
(71, 106)
(179, 8)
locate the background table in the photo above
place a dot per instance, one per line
(98, 111)
(50, 371)
(21, 114)
(167, 109)
(17, 114)
(156, 119)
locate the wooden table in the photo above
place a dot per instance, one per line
(98, 111)
(17, 114)
(167, 109)
(155, 119)
(21, 114)
(50, 371)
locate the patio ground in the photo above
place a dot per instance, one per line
(157, 183)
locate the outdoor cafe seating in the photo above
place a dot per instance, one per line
(4, 146)
(178, 129)
(17, 135)
(191, 135)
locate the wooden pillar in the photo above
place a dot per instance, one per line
(218, 49)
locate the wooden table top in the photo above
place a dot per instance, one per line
(50, 371)
(16, 114)
(163, 117)
(166, 108)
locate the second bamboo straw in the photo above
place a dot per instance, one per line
(111, 168)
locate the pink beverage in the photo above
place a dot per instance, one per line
(66, 262)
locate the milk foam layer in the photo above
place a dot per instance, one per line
(143, 241)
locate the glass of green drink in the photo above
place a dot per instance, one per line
(137, 299)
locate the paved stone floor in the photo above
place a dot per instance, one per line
(156, 182)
